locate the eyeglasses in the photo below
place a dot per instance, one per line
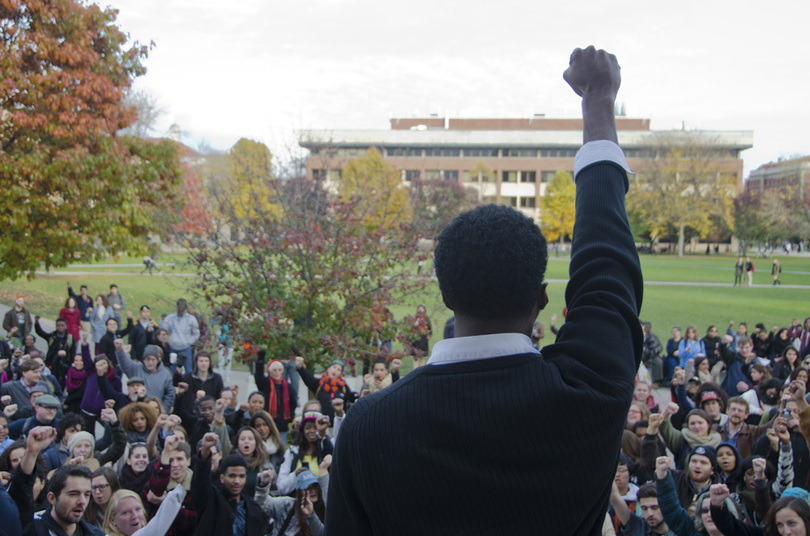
(100, 487)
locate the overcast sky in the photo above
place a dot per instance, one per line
(264, 69)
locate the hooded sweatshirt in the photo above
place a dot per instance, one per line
(157, 383)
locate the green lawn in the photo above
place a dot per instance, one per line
(695, 302)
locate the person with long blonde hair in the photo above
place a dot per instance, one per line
(126, 515)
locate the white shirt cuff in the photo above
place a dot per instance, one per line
(599, 151)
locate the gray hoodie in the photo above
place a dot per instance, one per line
(158, 383)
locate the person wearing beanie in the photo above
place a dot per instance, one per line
(81, 445)
(700, 467)
(156, 377)
(306, 508)
(327, 386)
(281, 397)
(676, 515)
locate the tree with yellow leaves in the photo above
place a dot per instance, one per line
(377, 187)
(558, 207)
(684, 183)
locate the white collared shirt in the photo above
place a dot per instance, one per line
(480, 347)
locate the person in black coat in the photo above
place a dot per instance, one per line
(106, 345)
(218, 505)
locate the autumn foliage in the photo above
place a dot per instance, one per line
(72, 188)
(300, 269)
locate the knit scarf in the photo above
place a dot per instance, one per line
(331, 386)
(75, 379)
(694, 440)
(272, 405)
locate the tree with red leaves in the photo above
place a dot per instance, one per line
(72, 189)
(299, 269)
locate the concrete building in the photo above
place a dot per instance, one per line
(793, 174)
(507, 160)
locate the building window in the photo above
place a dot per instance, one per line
(470, 177)
(404, 151)
(412, 174)
(528, 176)
(352, 151)
(480, 152)
(520, 153)
(509, 201)
(509, 176)
(527, 202)
(547, 176)
(443, 151)
(318, 174)
(451, 175)
(558, 153)
(433, 175)
(335, 174)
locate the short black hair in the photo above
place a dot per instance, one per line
(647, 491)
(59, 478)
(68, 420)
(490, 262)
(232, 460)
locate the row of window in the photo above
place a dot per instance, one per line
(453, 152)
(452, 175)
(490, 152)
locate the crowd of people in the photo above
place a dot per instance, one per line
(174, 452)
(102, 435)
(728, 454)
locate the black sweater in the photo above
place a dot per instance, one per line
(520, 444)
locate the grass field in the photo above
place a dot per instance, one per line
(702, 293)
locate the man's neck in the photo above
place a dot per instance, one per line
(733, 428)
(69, 528)
(661, 529)
(700, 485)
(25, 382)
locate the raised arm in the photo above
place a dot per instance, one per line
(130, 368)
(604, 291)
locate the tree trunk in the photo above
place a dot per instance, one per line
(680, 240)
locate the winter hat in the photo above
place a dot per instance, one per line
(305, 479)
(705, 450)
(338, 362)
(77, 438)
(271, 362)
(152, 350)
(799, 493)
(311, 416)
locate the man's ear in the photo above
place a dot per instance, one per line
(447, 303)
(51, 498)
(542, 299)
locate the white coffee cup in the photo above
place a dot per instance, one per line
(173, 358)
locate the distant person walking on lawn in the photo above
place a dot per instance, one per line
(749, 271)
(776, 269)
(738, 272)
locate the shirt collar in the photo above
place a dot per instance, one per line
(480, 347)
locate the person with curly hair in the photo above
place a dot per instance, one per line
(138, 419)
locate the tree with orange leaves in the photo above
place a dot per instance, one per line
(72, 188)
